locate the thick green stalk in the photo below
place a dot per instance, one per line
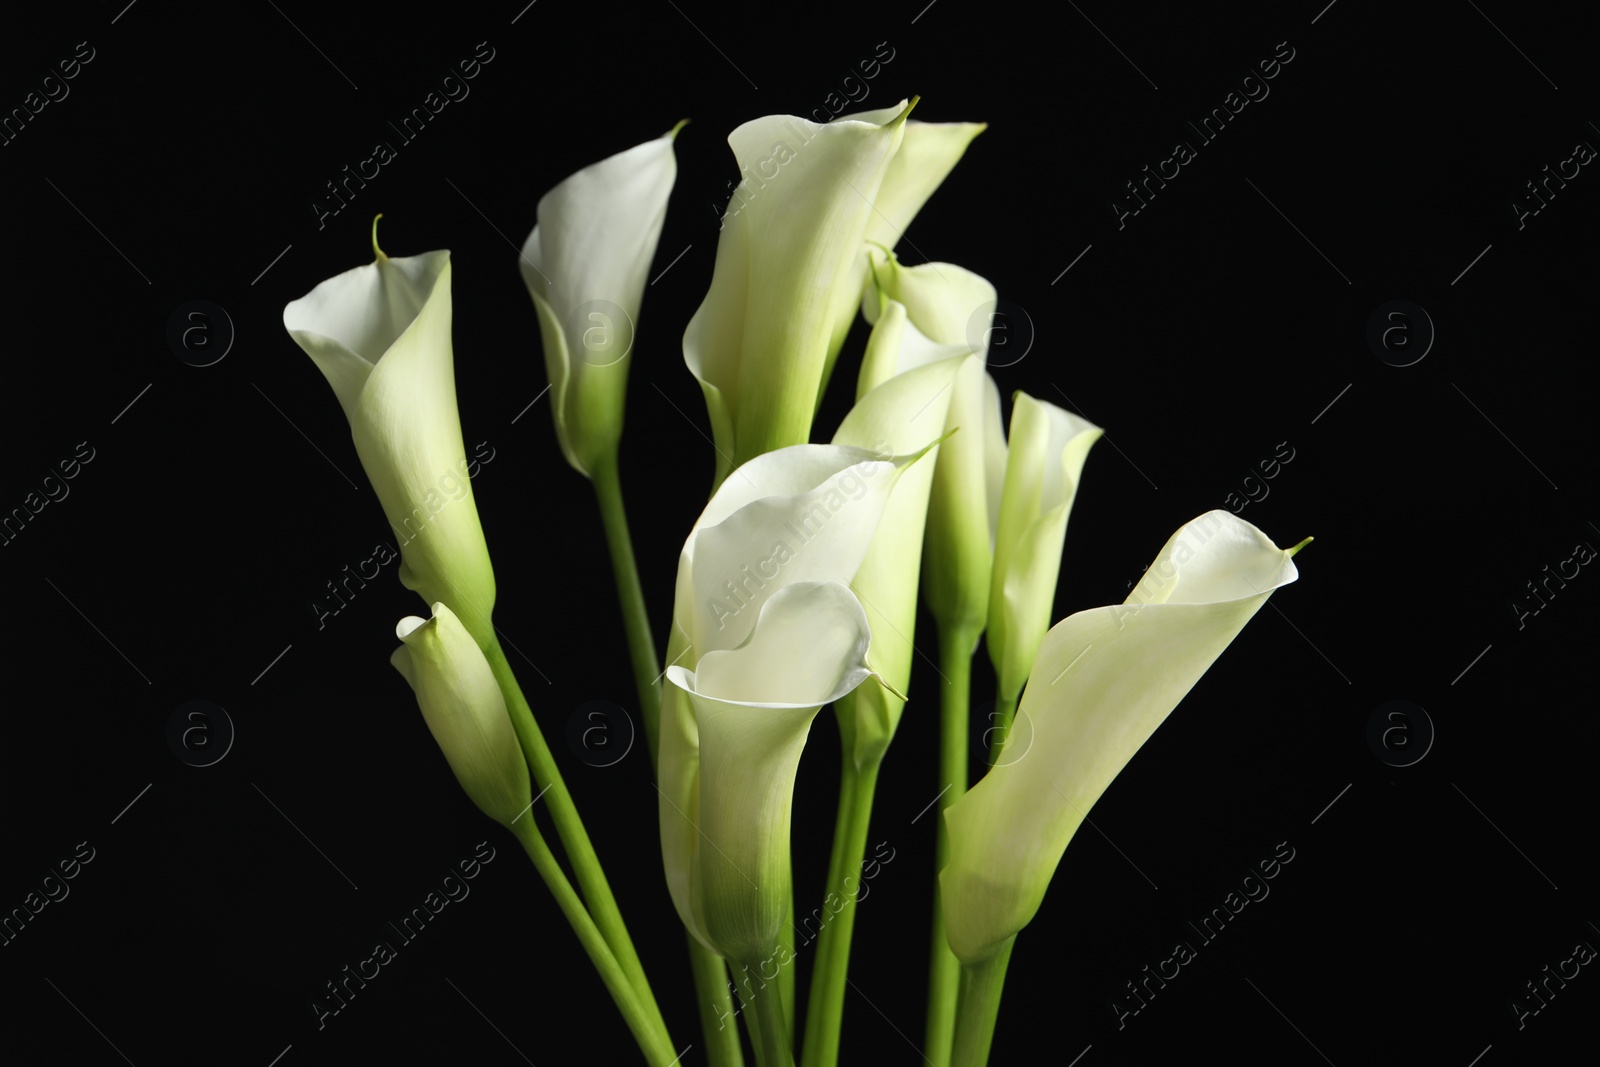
(574, 838)
(769, 1028)
(718, 1017)
(644, 1024)
(944, 970)
(1005, 713)
(825, 1010)
(635, 616)
(981, 985)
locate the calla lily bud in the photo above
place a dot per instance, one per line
(1043, 462)
(749, 665)
(904, 394)
(465, 711)
(759, 342)
(1102, 682)
(380, 334)
(951, 306)
(585, 265)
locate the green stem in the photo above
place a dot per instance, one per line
(825, 1010)
(645, 1025)
(1005, 712)
(718, 1020)
(574, 838)
(769, 1029)
(981, 985)
(635, 615)
(944, 970)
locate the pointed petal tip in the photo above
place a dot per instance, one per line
(377, 253)
(1298, 547)
(672, 134)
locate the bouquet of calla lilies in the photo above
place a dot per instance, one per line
(799, 585)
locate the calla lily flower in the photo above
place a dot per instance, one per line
(927, 154)
(1103, 681)
(465, 711)
(585, 265)
(380, 334)
(785, 264)
(1043, 461)
(765, 631)
(951, 306)
(902, 399)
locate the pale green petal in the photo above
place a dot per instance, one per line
(1046, 455)
(586, 264)
(754, 707)
(465, 711)
(902, 415)
(394, 316)
(789, 242)
(1103, 681)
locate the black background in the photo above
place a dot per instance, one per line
(1224, 318)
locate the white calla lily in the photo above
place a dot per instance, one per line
(793, 518)
(585, 265)
(951, 306)
(902, 402)
(759, 342)
(1044, 459)
(1103, 681)
(380, 334)
(465, 711)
